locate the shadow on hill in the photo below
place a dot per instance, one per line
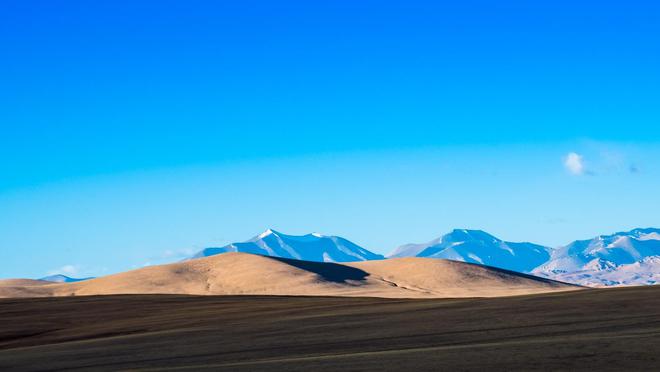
(504, 273)
(329, 271)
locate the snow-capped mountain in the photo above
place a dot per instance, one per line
(59, 278)
(601, 273)
(624, 258)
(310, 247)
(479, 247)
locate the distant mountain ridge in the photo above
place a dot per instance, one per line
(619, 248)
(476, 246)
(310, 247)
(59, 278)
(624, 258)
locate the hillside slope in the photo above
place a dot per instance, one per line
(242, 273)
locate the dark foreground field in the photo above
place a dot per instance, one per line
(615, 329)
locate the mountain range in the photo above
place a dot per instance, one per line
(59, 278)
(310, 247)
(624, 258)
(479, 247)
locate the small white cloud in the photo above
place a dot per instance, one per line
(68, 270)
(169, 256)
(574, 163)
(184, 252)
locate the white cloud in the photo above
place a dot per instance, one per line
(67, 270)
(175, 253)
(169, 256)
(574, 162)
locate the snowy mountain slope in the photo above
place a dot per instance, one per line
(601, 273)
(59, 278)
(624, 258)
(479, 247)
(618, 249)
(310, 247)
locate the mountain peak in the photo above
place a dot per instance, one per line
(60, 278)
(645, 230)
(309, 247)
(626, 257)
(467, 234)
(647, 233)
(268, 232)
(480, 247)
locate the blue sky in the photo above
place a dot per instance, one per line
(137, 132)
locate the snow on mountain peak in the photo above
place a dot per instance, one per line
(607, 259)
(465, 234)
(617, 259)
(310, 247)
(650, 236)
(266, 233)
(480, 247)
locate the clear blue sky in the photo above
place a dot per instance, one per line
(135, 132)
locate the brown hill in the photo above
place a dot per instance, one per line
(242, 274)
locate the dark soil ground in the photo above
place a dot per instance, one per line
(609, 329)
